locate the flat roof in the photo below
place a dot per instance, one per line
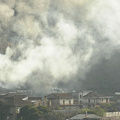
(83, 116)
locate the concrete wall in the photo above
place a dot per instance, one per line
(66, 101)
(55, 102)
(100, 100)
(118, 100)
(82, 100)
(112, 114)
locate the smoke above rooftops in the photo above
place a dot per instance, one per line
(48, 43)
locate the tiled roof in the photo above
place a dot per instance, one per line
(60, 95)
(34, 98)
(83, 116)
(20, 102)
(94, 95)
(14, 100)
(14, 94)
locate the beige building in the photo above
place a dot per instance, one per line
(91, 99)
(36, 101)
(39, 101)
(60, 99)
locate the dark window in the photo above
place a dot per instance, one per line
(88, 100)
(81, 106)
(80, 96)
(69, 102)
(107, 100)
(63, 102)
(89, 106)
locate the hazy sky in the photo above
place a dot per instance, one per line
(72, 44)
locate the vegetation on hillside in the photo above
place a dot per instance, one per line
(4, 111)
(42, 113)
(38, 113)
(97, 111)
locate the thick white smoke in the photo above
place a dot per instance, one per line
(48, 41)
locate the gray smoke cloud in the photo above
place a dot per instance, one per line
(45, 43)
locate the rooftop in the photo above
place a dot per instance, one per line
(60, 95)
(94, 95)
(34, 98)
(83, 116)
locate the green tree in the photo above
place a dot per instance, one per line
(4, 111)
(89, 111)
(32, 113)
(109, 107)
(43, 109)
(99, 111)
(29, 113)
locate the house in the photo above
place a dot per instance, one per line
(91, 99)
(15, 101)
(55, 90)
(111, 116)
(37, 101)
(24, 91)
(117, 97)
(60, 99)
(85, 117)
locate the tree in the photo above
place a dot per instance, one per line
(32, 113)
(89, 111)
(109, 107)
(43, 109)
(99, 111)
(4, 111)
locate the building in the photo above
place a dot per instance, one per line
(36, 101)
(55, 90)
(85, 117)
(60, 100)
(117, 97)
(112, 116)
(15, 101)
(39, 101)
(91, 99)
(24, 91)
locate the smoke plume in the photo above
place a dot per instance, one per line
(72, 44)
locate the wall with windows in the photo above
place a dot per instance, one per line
(66, 101)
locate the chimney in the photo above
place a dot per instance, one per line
(85, 113)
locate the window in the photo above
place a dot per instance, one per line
(69, 102)
(63, 102)
(80, 96)
(89, 106)
(107, 100)
(88, 100)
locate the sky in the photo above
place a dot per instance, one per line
(72, 44)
